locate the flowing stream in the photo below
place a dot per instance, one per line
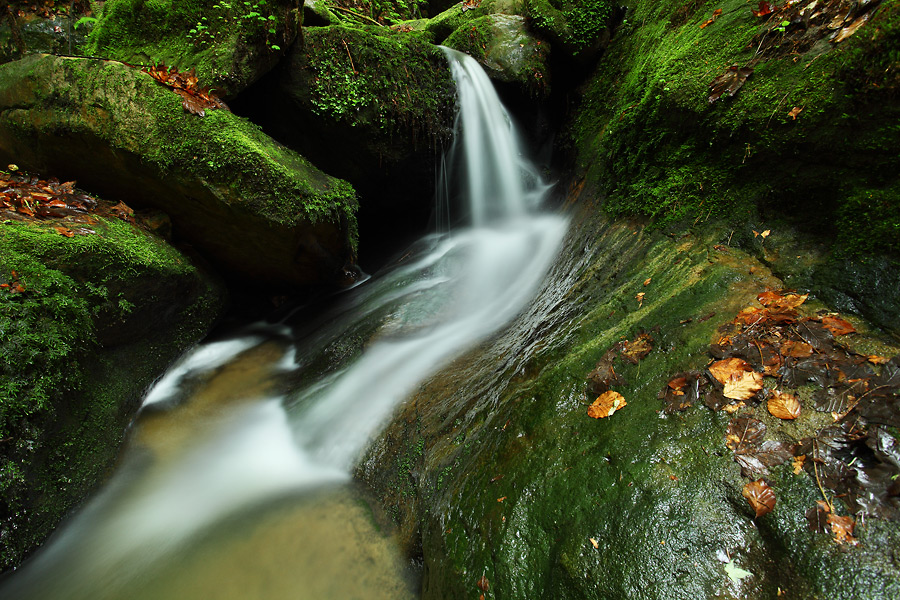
(236, 480)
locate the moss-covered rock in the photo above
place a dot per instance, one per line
(578, 28)
(253, 207)
(507, 51)
(384, 98)
(494, 469)
(229, 44)
(100, 317)
(810, 136)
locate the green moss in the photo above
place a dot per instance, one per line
(647, 134)
(225, 42)
(95, 324)
(375, 77)
(577, 24)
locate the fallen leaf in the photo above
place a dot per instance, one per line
(877, 360)
(604, 406)
(595, 543)
(729, 82)
(738, 378)
(765, 8)
(734, 572)
(760, 496)
(851, 29)
(637, 350)
(483, 584)
(501, 499)
(794, 112)
(837, 326)
(647, 281)
(781, 299)
(708, 22)
(783, 405)
(796, 349)
(842, 528)
(64, 232)
(798, 464)
(640, 299)
(743, 433)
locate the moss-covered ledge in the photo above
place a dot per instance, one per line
(229, 44)
(253, 207)
(810, 137)
(86, 325)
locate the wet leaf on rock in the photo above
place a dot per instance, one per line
(783, 405)
(637, 350)
(739, 380)
(743, 434)
(765, 8)
(760, 496)
(837, 326)
(842, 528)
(604, 406)
(735, 573)
(729, 82)
(683, 390)
(796, 349)
(815, 334)
(781, 299)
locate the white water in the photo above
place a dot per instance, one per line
(453, 292)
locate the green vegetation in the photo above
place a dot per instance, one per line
(575, 24)
(96, 319)
(648, 136)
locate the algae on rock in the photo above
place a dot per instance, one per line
(251, 206)
(100, 317)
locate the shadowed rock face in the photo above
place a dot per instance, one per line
(254, 208)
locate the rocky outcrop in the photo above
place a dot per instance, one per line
(257, 210)
(88, 322)
(229, 44)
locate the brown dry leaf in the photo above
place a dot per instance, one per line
(842, 528)
(796, 349)
(783, 405)
(760, 496)
(483, 584)
(837, 326)
(604, 406)
(709, 22)
(729, 82)
(733, 408)
(64, 232)
(743, 434)
(739, 379)
(781, 299)
(647, 281)
(640, 299)
(637, 350)
(798, 464)
(794, 112)
(851, 29)
(877, 360)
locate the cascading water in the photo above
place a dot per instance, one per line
(450, 292)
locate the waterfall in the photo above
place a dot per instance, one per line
(452, 292)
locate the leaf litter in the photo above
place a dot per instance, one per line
(855, 459)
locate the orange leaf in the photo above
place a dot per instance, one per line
(605, 405)
(760, 496)
(781, 299)
(483, 584)
(794, 112)
(877, 360)
(842, 528)
(796, 349)
(783, 405)
(739, 379)
(837, 326)
(64, 232)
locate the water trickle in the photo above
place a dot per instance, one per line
(446, 294)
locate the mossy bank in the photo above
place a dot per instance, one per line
(91, 322)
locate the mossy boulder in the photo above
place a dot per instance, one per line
(255, 209)
(229, 44)
(87, 324)
(500, 480)
(384, 98)
(578, 29)
(507, 51)
(809, 137)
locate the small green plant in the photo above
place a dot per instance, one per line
(251, 18)
(85, 22)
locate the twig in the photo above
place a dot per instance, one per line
(347, 48)
(355, 14)
(816, 469)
